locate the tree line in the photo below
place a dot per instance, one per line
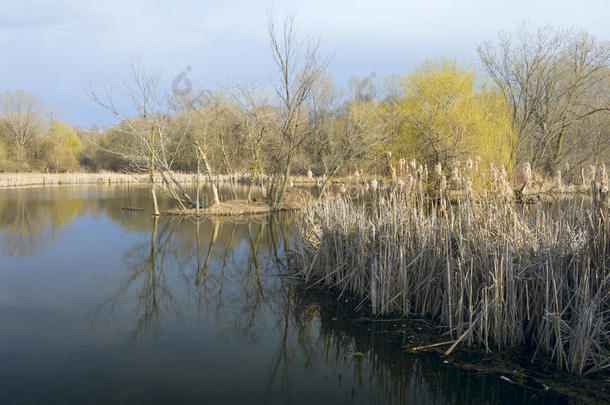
(541, 97)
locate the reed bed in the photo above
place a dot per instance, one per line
(493, 272)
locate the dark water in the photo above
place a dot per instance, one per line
(103, 305)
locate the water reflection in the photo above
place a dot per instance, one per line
(29, 222)
(228, 271)
(199, 297)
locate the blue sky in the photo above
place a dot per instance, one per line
(55, 48)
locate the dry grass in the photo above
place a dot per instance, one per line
(8, 180)
(493, 272)
(233, 207)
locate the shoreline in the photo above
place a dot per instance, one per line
(231, 208)
(17, 180)
(511, 365)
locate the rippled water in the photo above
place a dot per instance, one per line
(103, 305)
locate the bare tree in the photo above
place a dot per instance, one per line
(343, 133)
(256, 117)
(21, 117)
(299, 66)
(147, 134)
(545, 77)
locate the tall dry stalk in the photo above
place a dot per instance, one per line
(493, 272)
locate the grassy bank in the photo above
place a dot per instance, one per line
(492, 272)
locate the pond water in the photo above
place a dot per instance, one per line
(103, 305)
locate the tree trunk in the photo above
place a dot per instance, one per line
(152, 172)
(209, 171)
(282, 195)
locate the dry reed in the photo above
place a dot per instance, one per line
(494, 272)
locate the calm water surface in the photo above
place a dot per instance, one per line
(103, 305)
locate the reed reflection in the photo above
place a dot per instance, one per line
(233, 273)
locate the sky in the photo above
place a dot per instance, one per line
(56, 49)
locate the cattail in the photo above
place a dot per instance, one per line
(374, 184)
(425, 172)
(438, 169)
(409, 182)
(507, 191)
(400, 184)
(493, 173)
(604, 178)
(455, 176)
(527, 174)
(393, 171)
(413, 164)
(477, 161)
(582, 176)
(309, 174)
(469, 187)
(443, 184)
(592, 171)
(401, 164)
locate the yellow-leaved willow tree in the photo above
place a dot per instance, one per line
(61, 148)
(445, 115)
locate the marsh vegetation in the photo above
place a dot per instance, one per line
(492, 271)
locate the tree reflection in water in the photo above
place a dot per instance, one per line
(234, 272)
(27, 224)
(182, 272)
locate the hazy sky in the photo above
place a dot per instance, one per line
(54, 48)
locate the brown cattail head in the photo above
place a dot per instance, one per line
(438, 169)
(469, 163)
(443, 184)
(401, 164)
(455, 176)
(409, 182)
(469, 187)
(582, 176)
(527, 174)
(592, 173)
